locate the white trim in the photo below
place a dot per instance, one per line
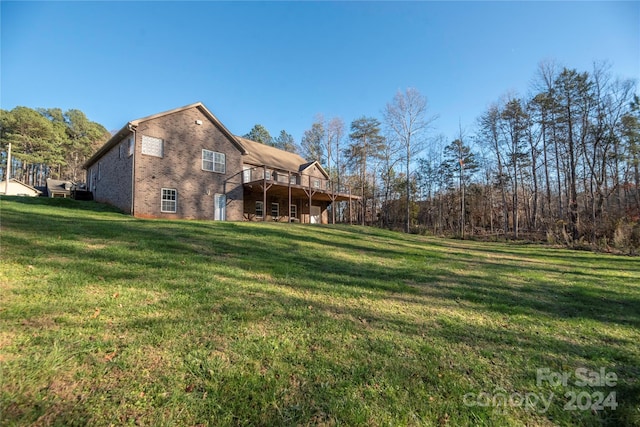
(215, 161)
(163, 200)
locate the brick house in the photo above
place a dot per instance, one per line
(184, 163)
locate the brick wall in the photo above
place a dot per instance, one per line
(110, 178)
(180, 168)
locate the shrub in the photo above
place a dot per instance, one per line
(626, 237)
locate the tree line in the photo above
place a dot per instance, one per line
(48, 143)
(561, 163)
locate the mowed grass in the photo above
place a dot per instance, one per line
(110, 320)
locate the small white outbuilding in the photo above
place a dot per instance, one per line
(16, 188)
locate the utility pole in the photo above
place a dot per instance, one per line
(6, 186)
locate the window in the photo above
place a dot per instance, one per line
(169, 200)
(293, 211)
(293, 180)
(99, 171)
(152, 146)
(246, 174)
(213, 161)
(259, 209)
(316, 183)
(275, 211)
(132, 145)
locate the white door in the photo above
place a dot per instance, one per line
(316, 213)
(220, 203)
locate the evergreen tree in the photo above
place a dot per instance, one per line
(312, 143)
(259, 133)
(285, 142)
(459, 164)
(366, 144)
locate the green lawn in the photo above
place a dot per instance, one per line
(110, 320)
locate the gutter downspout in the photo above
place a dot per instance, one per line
(133, 170)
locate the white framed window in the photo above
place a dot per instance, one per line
(213, 161)
(275, 210)
(293, 180)
(132, 146)
(152, 146)
(169, 202)
(316, 183)
(293, 211)
(259, 209)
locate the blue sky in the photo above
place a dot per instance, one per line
(281, 63)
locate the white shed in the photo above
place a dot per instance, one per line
(17, 188)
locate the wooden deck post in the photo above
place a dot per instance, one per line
(350, 215)
(310, 199)
(264, 193)
(289, 205)
(333, 204)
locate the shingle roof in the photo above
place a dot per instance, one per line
(255, 153)
(259, 154)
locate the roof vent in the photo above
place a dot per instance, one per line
(198, 122)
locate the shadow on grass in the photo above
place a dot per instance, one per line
(285, 252)
(321, 260)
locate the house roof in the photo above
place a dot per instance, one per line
(21, 184)
(130, 126)
(259, 154)
(59, 186)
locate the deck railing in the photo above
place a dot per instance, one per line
(284, 177)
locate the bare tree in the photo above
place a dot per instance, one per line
(335, 133)
(407, 118)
